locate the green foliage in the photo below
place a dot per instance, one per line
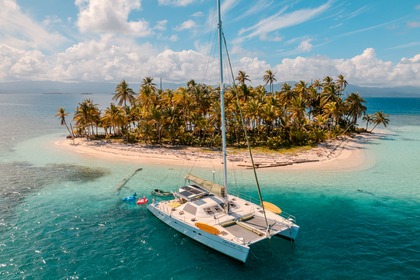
(294, 116)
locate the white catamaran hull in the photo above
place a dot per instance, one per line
(230, 249)
(290, 233)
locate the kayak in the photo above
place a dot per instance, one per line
(142, 200)
(158, 192)
(130, 198)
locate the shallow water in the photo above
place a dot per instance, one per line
(61, 215)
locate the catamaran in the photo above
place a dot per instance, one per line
(208, 213)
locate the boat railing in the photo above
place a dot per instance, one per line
(252, 199)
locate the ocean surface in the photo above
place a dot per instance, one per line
(62, 217)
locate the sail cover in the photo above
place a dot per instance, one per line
(214, 188)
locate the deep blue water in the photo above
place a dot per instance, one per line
(61, 216)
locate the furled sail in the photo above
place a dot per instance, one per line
(214, 188)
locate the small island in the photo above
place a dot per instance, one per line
(316, 117)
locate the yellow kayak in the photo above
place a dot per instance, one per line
(271, 207)
(207, 228)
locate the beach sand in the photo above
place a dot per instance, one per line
(346, 153)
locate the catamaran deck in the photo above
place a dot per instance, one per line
(244, 224)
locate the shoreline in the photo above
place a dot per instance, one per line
(344, 154)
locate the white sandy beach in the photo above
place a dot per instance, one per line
(347, 153)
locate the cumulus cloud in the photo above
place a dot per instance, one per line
(110, 17)
(22, 65)
(181, 66)
(305, 45)
(108, 59)
(364, 69)
(111, 58)
(253, 67)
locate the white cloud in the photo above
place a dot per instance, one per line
(181, 66)
(161, 25)
(109, 58)
(305, 46)
(51, 20)
(279, 21)
(110, 17)
(226, 6)
(406, 71)
(253, 67)
(22, 65)
(21, 31)
(198, 14)
(255, 9)
(364, 69)
(180, 3)
(173, 38)
(189, 24)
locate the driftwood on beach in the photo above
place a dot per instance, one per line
(277, 164)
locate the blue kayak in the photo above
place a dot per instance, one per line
(130, 198)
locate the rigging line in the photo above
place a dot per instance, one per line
(246, 134)
(210, 54)
(193, 165)
(182, 170)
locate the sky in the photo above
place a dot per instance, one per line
(371, 43)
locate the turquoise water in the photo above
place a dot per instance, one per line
(61, 216)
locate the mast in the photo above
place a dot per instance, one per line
(222, 107)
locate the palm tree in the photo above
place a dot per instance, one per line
(314, 101)
(147, 94)
(242, 78)
(332, 111)
(191, 115)
(368, 119)
(341, 83)
(286, 94)
(317, 84)
(191, 84)
(154, 120)
(148, 84)
(302, 89)
(354, 106)
(62, 114)
(329, 94)
(269, 78)
(297, 110)
(114, 117)
(183, 100)
(123, 94)
(86, 115)
(380, 118)
(328, 81)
